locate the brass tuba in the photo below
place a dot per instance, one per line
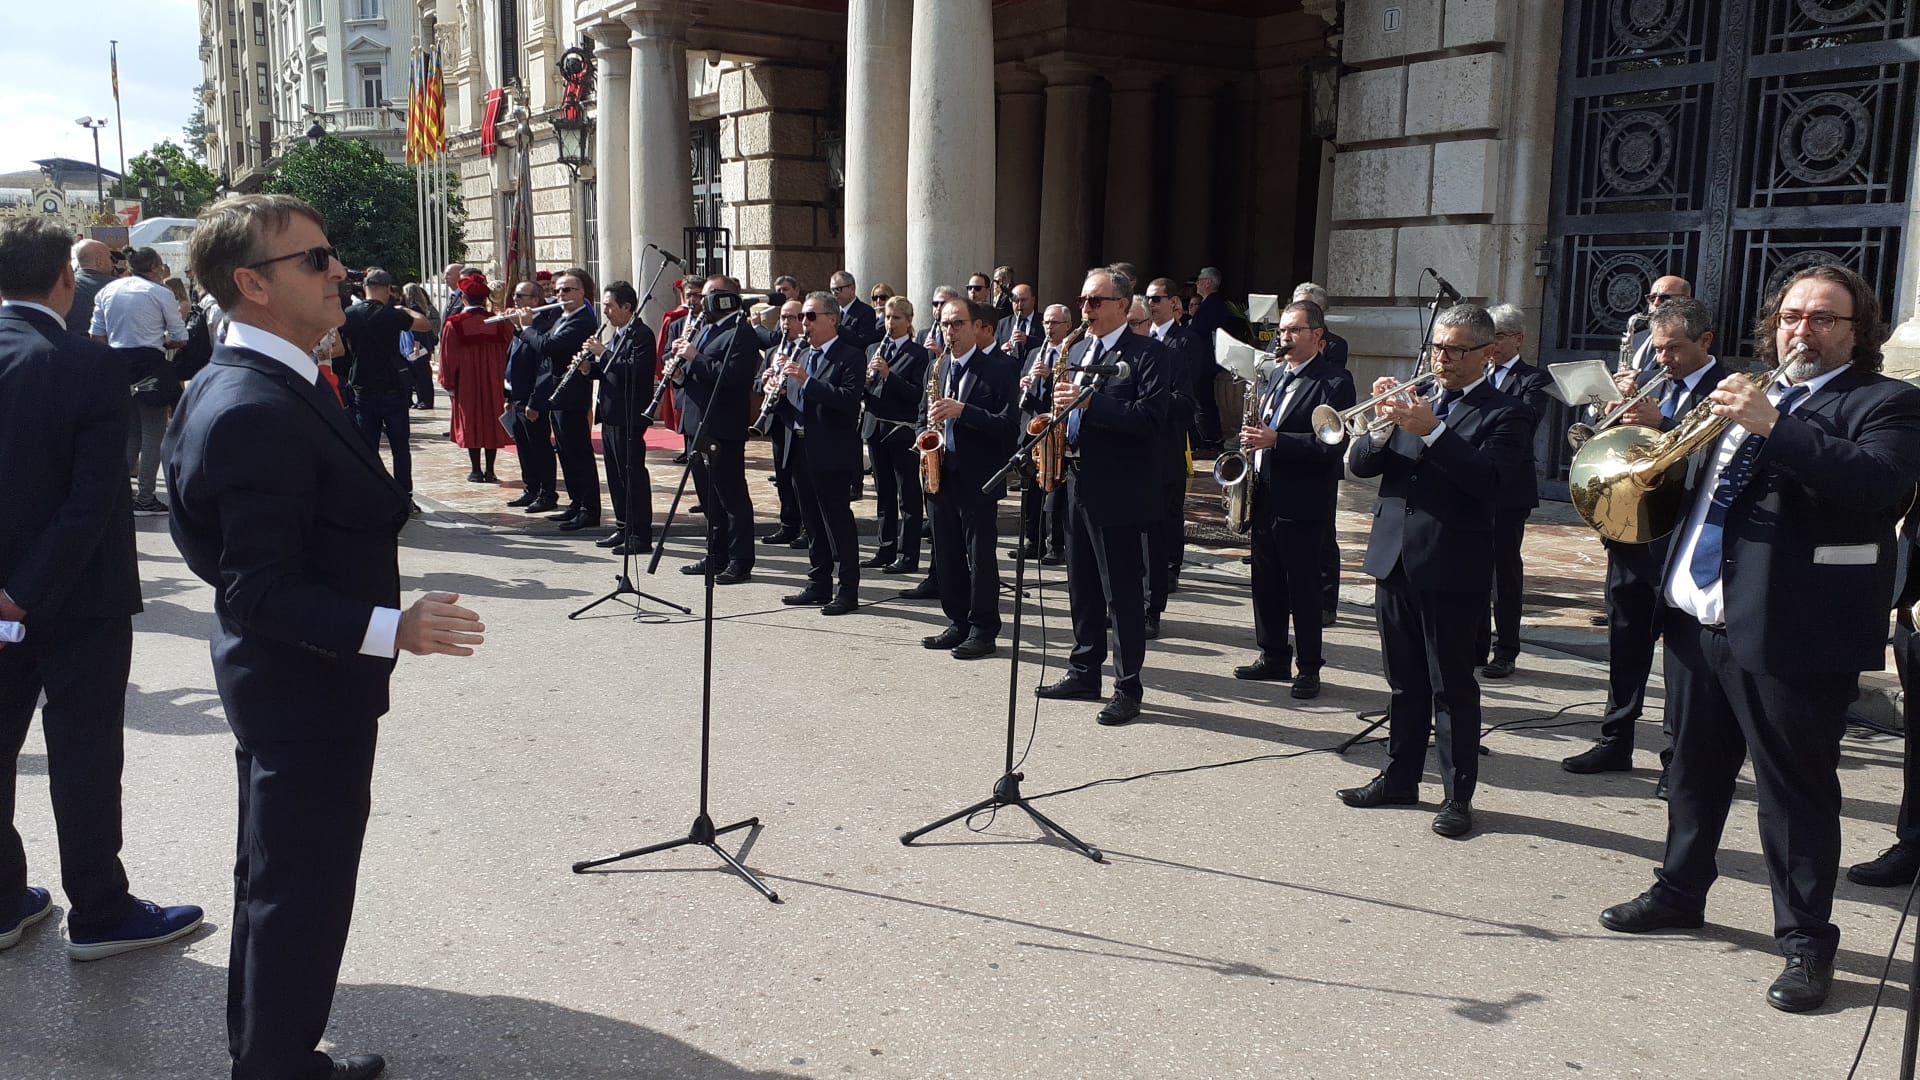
(1233, 471)
(1050, 449)
(932, 444)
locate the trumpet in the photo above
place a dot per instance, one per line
(1578, 434)
(1334, 426)
(510, 313)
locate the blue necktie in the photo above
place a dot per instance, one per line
(1280, 399)
(1705, 565)
(1073, 418)
(1676, 394)
(1445, 404)
(956, 373)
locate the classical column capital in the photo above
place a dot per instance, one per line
(1016, 78)
(1063, 70)
(1134, 80)
(657, 19)
(1189, 85)
(609, 39)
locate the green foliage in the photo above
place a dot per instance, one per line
(198, 130)
(198, 184)
(368, 202)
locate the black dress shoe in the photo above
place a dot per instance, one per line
(490, 478)
(843, 604)
(734, 574)
(474, 477)
(1375, 793)
(357, 1067)
(579, 523)
(680, 458)
(779, 536)
(543, 504)
(1454, 820)
(902, 565)
(697, 508)
(1599, 620)
(612, 540)
(1328, 616)
(975, 647)
(949, 638)
(632, 546)
(1023, 552)
(1802, 985)
(1895, 866)
(1053, 558)
(1265, 669)
(568, 514)
(812, 594)
(1069, 688)
(1497, 668)
(800, 542)
(1643, 914)
(876, 563)
(1599, 758)
(526, 499)
(695, 568)
(1306, 686)
(926, 590)
(1120, 710)
(1660, 789)
(1152, 626)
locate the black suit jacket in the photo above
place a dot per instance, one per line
(1827, 489)
(625, 374)
(1122, 431)
(1299, 477)
(1335, 350)
(1529, 386)
(1434, 516)
(830, 409)
(1003, 334)
(1185, 358)
(719, 379)
(861, 325)
(556, 343)
(281, 507)
(986, 432)
(66, 516)
(898, 396)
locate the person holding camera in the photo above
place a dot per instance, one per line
(140, 319)
(380, 379)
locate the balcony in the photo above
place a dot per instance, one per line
(359, 121)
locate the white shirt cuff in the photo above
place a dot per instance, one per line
(382, 629)
(1438, 430)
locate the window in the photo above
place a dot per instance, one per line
(708, 198)
(233, 55)
(260, 75)
(589, 205)
(315, 16)
(259, 23)
(370, 89)
(320, 89)
(266, 140)
(366, 9)
(233, 16)
(509, 42)
(239, 111)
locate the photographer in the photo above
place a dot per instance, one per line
(381, 381)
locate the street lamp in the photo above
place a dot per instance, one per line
(571, 128)
(99, 181)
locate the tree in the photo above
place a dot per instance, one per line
(368, 202)
(198, 130)
(198, 184)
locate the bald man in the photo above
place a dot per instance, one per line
(93, 269)
(1664, 289)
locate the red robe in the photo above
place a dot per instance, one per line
(473, 368)
(669, 409)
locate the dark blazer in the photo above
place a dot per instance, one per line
(1121, 432)
(625, 374)
(1335, 350)
(1299, 477)
(1529, 386)
(1434, 515)
(66, 515)
(523, 363)
(1003, 333)
(1834, 475)
(861, 325)
(86, 287)
(986, 432)
(830, 409)
(1185, 358)
(281, 507)
(557, 342)
(899, 394)
(1906, 576)
(720, 378)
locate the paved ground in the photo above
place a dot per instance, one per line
(1245, 924)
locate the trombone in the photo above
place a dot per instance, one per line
(1335, 426)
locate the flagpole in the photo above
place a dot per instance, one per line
(119, 129)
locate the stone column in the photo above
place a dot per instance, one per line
(660, 187)
(612, 143)
(1016, 201)
(1130, 215)
(879, 40)
(1902, 350)
(950, 145)
(1063, 183)
(1279, 140)
(1190, 214)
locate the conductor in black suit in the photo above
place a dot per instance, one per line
(716, 382)
(820, 388)
(1296, 481)
(1112, 440)
(1498, 644)
(859, 323)
(68, 577)
(896, 382)
(1776, 594)
(279, 505)
(556, 338)
(624, 370)
(1442, 466)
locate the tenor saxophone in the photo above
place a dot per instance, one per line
(932, 443)
(1050, 448)
(1234, 472)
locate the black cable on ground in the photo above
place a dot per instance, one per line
(1886, 972)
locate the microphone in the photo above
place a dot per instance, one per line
(1447, 291)
(1118, 371)
(675, 259)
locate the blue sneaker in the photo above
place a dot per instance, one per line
(148, 924)
(33, 907)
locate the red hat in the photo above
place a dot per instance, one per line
(474, 287)
(543, 275)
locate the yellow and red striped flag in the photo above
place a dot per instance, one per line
(434, 91)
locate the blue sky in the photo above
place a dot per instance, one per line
(53, 69)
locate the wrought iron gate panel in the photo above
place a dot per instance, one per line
(1730, 142)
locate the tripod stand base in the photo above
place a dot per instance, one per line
(1006, 792)
(623, 586)
(704, 834)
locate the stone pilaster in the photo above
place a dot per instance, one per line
(660, 185)
(879, 37)
(1022, 141)
(612, 146)
(1191, 215)
(1064, 219)
(950, 162)
(1130, 213)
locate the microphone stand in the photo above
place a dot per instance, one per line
(1006, 790)
(636, 438)
(702, 832)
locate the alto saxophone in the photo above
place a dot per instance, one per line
(932, 443)
(1050, 448)
(1234, 472)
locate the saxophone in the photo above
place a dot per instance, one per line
(1233, 471)
(932, 444)
(1050, 448)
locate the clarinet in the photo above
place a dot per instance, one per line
(771, 401)
(671, 369)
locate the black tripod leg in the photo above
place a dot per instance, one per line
(909, 838)
(1053, 827)
(744, 873)
(1362, 733)
(583, 867)
(621, 587)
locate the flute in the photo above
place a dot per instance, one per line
(505, 315)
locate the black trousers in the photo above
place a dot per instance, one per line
(1206, 412)
(1166, 546)
(625, 450)
(1426, 647)
(82, 666)
(1104, 590)
(1791, 725)
(965, 565)
(1286, 588)
(1330, 567)
(900, 506)
(1501, 640)
(721, 484)
(790, 516)
(1906, 660)
(1633, 629)
(303, 815)
(573, 438)
(422, 370)
(533, 442)
(1042, 511)
(828, 514)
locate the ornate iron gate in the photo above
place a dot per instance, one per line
(1730, 142)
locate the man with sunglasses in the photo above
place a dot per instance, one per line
(557, 337)
(792, 339)
(860, 323)
(1670, 287)
(1167, 540)
(381, 381)
(819, 397)
(532, 428)
(716, 375)
(281, 507)
(1442, 463)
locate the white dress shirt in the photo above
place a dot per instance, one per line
(134, 313)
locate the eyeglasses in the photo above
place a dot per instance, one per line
(1096, 301)
(838, 288)
(1136, 322)
(976, 288)
(810, 316)
(1662, 297)
(880, 298)
(1819, 321)
(319, 258)
(1454, 353)
(957, 324)
(1160, 299)
(569, 288)
(1292, 330)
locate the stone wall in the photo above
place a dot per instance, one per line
(784, 216)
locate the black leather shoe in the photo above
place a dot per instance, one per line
(569, 514)
(1643, 914)
(1068, 688)
(697, 508)
(1895, 866)
(812, 594)
(1599, 620)
(1306, 686)
(1660, 789)
(779, 536)
(1152, 626)
(1328, 616)
(695, 568)
(680, 458)
(1599, 758)
(734, 574)
(975, 647)
(358, 1067)
(612, 540)
(1497, 668)
(474, 477)
(876, 563)
(1053, 558)
(843, 604)
(581, 522)
(526, 499)
(1265, 669)
(1118, 711)
(949, 638)
(542, 504)
(1802, 986)
(1023, 551)
(1375, 793)
(1454, 820)
(902, 565)
(800, 542)
(926, 590)
(632, 546)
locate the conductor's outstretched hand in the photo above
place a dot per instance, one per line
(437, 624)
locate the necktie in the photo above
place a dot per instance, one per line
(1494, 376)
(1705, 565)
(1073, 418)
(1676, 396)
(1280, 399)
(955, 373)
(1445, 404)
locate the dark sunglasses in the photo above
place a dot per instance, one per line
(976, 288)
(812, 316)
(1096, 301)
(319, 258)
(880, 298)
(1160, 299)
(568, 288)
